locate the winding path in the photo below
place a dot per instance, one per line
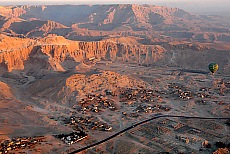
(156, 116)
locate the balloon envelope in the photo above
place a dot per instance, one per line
(213, 67)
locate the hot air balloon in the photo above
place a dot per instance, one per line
(213, 67)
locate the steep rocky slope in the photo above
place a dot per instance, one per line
(59, 54)
(5, 92)
(36, 28)
(53, 52)
(14, 51)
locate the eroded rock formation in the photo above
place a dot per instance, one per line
(55, 53)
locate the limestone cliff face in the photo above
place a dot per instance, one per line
(80, 51)
(59, 54)
(15, 59)
(14, 51)
(56, 54)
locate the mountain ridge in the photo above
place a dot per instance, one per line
(95, 22)
(143, 34)
(55, 53)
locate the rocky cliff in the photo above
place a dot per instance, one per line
(59, 54)
(55, 53)
(5, 91)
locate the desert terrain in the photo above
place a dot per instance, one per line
(72, 76)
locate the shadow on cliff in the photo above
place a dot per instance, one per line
(37, 62)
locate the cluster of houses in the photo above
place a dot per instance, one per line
(144, 98)
(19, 143)
(142, 95)
(150, 109)
(143, 108)
(95, 103)
(204, 92)
(73, 137)
(88, 122)
(182, 92)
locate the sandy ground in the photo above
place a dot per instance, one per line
(28, 109)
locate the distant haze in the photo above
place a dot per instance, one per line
(207, 7)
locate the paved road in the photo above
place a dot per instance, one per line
(140, 123)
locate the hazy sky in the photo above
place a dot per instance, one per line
(194, 6)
